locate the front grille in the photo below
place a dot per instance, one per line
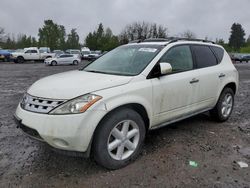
(39, 105)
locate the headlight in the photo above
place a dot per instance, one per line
(77, 105)
(24, 100)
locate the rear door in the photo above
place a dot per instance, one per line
(69, 59)
(35, 55)
(209, 75)
(173, 94)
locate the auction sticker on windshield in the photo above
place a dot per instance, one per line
(148, 50)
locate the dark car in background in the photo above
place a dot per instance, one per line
(5, 55)
(245, 58)
(240, 57)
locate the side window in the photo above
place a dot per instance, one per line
(34, 51)
(28, 51)
(219, 52)
(180, 58)
(204, 56)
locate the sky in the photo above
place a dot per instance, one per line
(206, 18)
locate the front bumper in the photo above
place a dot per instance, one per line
(47, 62)
(66, 132)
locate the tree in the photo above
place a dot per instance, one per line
(73, 40)
(188, 34)
(51, 35)
(237, 40)
(248, 41)
(220, 41)
(141, 31)
(2, 36)
(101, 39)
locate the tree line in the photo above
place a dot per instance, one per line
(54, 36)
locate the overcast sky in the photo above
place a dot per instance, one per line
(206, 18)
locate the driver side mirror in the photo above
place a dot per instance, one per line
(166, 68)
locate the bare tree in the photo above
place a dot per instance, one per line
(2, 35)
(188, 34)
(142, 30)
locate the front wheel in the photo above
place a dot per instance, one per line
(118, 139)
(20, 59)
(53, 63)
(224, 106)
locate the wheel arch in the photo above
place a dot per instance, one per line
(231, 85)
(140, 109)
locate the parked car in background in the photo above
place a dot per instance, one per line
(240, 57)
(74, 51)
(85, 55)
(58, 52)
(85, 51)
(44, 50)
(30, 54)
(5, 55)
(94, 55)
(63, 59)
(245, 58)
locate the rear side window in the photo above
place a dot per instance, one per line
(204, 56)
(180, 58)
(34, 51)
(219, 52)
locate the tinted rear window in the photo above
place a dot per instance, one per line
(204, 56)
(219, 52)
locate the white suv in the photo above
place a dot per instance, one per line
(106, 108)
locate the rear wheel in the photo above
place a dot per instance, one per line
(224, 106)
(118, 139)
(75, 62)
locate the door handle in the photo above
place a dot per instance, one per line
(194, 80)
(222, 75)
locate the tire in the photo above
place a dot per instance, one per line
(20, 59)
(126, 149)
(53, 63)
(224, 107)
(75, 62)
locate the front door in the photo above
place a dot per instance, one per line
(174, 95)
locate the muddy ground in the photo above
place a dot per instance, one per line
(164, 162)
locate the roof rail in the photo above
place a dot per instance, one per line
(170, 40)
(135, 41)
(156, 40)
(175, 39)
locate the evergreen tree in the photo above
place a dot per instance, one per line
(52, 35)
(73, 40)
(237, 40)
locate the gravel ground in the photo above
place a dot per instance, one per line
(164, 162)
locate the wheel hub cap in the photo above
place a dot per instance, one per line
(227, 105)
(123, 140)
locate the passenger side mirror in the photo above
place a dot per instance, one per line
(166, 68)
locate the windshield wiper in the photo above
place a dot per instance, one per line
(95, 71)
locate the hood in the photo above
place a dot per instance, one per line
(15, 54)
(72, 84)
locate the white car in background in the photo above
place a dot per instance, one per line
(63, 59)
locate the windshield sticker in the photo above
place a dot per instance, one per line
(147, 50)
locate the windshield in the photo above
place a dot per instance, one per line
(127, 60)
